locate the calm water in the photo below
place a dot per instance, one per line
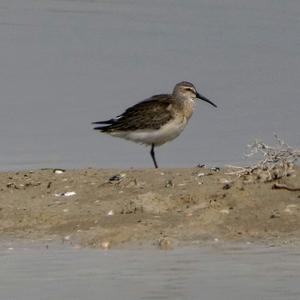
(65, 63)
(224, 273)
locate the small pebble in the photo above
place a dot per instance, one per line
(200, 174)
(201, 166)
(169, 183)
(275, 214)
(290, 208)
(224, 211)
(66, 194)
(117, 178)
(224, 180)
(67, 237)
(227, 186)
(216, 169)
(105, 245)
(59, 171)
(165, 244)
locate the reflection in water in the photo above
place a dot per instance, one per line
(251, 272)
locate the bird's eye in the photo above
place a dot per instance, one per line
(191, 90)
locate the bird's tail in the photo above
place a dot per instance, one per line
(105, 123)
(111, 121)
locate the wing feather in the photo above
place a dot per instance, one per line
(150, 113)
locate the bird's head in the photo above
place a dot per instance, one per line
(186, 90)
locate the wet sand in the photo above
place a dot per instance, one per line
(107, 208)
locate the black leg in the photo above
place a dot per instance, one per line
(153, 156)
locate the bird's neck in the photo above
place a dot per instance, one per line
(187, 107)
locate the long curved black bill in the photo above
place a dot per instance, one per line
(205, 99)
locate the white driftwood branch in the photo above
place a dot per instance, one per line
(277, 161)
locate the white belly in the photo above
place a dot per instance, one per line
(157, 137)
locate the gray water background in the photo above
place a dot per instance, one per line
(66, 63)
(240, 272)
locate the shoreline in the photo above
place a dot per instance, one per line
(108, 208)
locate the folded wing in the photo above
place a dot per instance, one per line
(148, 114)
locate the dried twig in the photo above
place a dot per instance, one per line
(276, 162)
(278, 186)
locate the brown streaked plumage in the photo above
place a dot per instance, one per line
(156, 120)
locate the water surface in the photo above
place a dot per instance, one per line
(227, 273)
(66, 63)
